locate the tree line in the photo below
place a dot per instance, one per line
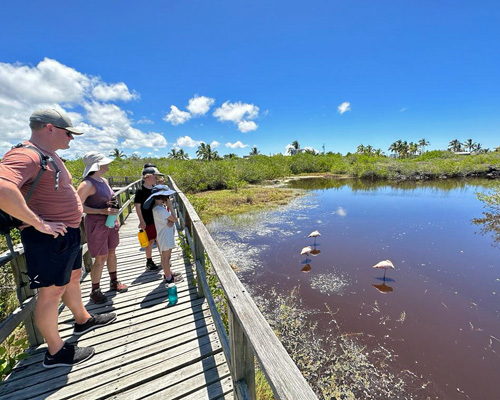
(400, 149)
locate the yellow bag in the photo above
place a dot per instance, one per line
(143, 238)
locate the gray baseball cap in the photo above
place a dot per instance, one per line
(56, 118)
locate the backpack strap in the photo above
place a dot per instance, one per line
(43, 167)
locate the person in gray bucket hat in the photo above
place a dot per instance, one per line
(50, 232)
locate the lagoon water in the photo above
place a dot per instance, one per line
(437, 314)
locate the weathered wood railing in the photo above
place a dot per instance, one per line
(27, 296)
(249, 333)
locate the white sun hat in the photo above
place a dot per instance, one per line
(93, 161)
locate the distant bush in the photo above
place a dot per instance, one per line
(195, 175)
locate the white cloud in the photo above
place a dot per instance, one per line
(341, 212)
(345, 106)
(236, 145)
(239, 113)
(186, 141)
(116, 91)
(247, 126)
(106, 115)
(50, 84)
(199, 105)
(176, 116)
(214, 144)
(145, 121)
(403, 109)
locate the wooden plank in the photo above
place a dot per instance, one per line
(123, 326)
(107, 366)
(188, 378)
(129, 375)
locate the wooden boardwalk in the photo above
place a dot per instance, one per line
(151, 351)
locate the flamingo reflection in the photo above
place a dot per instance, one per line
(315, 252)
(383, 288)
(306, 268)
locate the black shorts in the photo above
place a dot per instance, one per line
(50, 261)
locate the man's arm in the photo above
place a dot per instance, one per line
(142, 223)
(13, 203)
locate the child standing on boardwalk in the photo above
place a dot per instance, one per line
(164, 219)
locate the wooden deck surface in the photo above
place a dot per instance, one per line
(151, 351)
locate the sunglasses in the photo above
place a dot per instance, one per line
(68, 133)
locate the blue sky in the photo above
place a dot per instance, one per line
(147, 77)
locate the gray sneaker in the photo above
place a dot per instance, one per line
(95, 321)
(70, 354)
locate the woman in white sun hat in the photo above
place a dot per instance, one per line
(96, 196)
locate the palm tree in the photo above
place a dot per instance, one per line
(117, 154)
(477, 148)
(455, 145)
(172, 155)
(369, 150)
(182, 155)
(413, 148)
(230, 156)
(295, 145)
(254, 151)
(178, 155)
(360, 149)
(422, 144)
(404, 150)
(206, 153)
(396, 147)
(469, 144)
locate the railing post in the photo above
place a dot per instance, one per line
(19, 270)
(87, 259)
(242, 358)
(199, 255)
(120, 202)
(127, 198)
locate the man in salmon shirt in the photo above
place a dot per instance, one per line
(50, 234)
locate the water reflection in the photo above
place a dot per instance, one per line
(366, 185)
(448, 277)
(306, 268)
(315, 252)
(490, 223)
(383, 288)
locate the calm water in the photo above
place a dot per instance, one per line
(438, 311)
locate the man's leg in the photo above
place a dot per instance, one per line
(46, 315)
(72, 297)
(149, 249)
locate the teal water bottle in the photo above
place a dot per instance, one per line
(172, 294)
(110, 221)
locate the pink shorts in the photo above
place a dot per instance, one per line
(100, 238)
